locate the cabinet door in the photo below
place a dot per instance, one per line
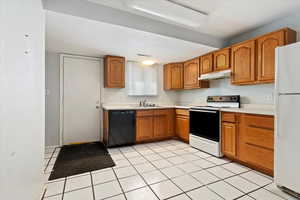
(191, 74)
(182, 128)
(114, 68)
(222, 59)
(266, 55)
(206, 63)
(229, 139)
(160, 123)
(256, 142)
(177, 76)
(167, 77)
(243, 63)
(144, 128)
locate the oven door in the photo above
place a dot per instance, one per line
(205, 123)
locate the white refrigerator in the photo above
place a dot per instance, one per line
(287, 124)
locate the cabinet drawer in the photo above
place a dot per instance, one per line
(256, 121)
(260, 137)
(228, 117)
(182, 112)
(144, 113)
(259, 156)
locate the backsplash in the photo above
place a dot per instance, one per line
(250, 94)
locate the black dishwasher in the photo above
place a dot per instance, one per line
(121, 127)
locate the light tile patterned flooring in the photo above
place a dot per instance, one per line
(162, 170)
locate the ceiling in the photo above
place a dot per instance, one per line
(226, 17)
(76, 35)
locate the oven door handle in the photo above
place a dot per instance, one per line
(206, 111)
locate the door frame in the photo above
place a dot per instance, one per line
(61, 90)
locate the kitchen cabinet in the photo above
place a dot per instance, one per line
(182, 124)
(144, 125)
(154, 125)
(206, 63)
(229, 135)
(256, 142)
(191, 75)
(249, 139)
(221, 59)
(243, 63)
(167, 77)
(114, 72)
(253, 61)
(173, 76)
(266, 55)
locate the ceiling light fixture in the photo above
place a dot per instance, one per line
(170, 10)
(148, 62)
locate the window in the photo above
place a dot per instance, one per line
(141, 79)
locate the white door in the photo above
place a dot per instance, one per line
(81, 100)
(287, 148)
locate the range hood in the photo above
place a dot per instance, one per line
(216, 75)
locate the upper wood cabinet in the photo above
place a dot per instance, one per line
(221, 59)
(253, 61)
(243, 62)
(173, 76)
(167, 77)
(206, 63)
(192, 73)
(266, 55)
(114, 72)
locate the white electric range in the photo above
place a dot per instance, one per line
(205, 123)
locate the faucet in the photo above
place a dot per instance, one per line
(143, 103)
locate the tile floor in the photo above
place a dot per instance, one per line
(162, 170)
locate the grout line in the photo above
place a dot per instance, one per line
(92, 183)
(123, 192)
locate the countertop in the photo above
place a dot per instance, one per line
(259, 109)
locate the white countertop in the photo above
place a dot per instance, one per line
(245, 108)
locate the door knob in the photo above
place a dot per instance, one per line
(97, 107)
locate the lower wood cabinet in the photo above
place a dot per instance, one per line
(256, 141)
(182, 124)
(229, 141)
(144, 125)
(249, 139)
(152, 125)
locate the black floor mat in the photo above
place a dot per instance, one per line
(81, 158)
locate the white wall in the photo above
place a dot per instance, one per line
(22, 102)
(52, 99)
(292, 21)
(251, 94)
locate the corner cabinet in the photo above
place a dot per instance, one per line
(173, 76)
(114, 72)
(253, 61)
(191, 75)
